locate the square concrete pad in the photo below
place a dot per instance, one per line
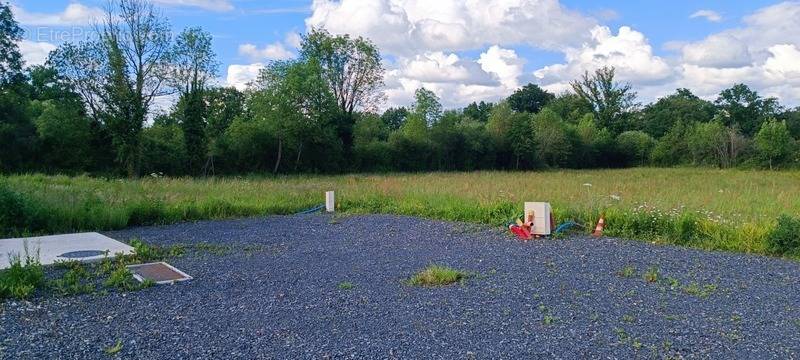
(85, 247)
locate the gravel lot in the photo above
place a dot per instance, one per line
(564, 298)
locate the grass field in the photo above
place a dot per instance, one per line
(707, 208)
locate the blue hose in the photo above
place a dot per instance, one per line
(565, 226)
(311, 210)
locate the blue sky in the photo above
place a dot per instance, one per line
(452, 48)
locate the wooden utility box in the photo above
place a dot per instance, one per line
(541, 217)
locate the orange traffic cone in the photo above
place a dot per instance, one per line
(598, 230)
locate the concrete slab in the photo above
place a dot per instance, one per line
(85, 247)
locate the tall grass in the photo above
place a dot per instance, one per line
(706, 208)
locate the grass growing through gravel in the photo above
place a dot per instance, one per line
(346, 285)
(732, 210)
(437, 275)
(22, 278)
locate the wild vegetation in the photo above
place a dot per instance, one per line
(713, 209)
(90, 109)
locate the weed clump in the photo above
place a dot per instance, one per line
(22, 279)
(785, 237)
(437, 275)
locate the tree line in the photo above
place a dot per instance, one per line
(91, 109)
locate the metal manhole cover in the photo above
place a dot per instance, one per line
(82, 254)
(160, 273)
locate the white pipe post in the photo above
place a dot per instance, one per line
(330, 202)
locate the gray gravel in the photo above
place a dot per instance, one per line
(559, 298)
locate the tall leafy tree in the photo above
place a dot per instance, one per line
(224, 106)
(478, 111)
(773, 142)
(353, 72)
(295, 103)
(683, 106)
(427, 106)
(611, 102)
(121, 73)
(193, 63)
(743, 107)
(17, 133)
(395, 117)
(549, 133)
(10, 35)
(530, 98)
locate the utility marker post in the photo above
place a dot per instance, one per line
(330, 202)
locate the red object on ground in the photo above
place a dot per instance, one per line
(520, 232)
(598, 230)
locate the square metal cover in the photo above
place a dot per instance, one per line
(159, 272)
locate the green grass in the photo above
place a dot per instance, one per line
(346, 285)
(114, 349)
(22, 278)
(733, 210)
(436, 275)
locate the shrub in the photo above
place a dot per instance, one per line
(785, 237)
(12, 211)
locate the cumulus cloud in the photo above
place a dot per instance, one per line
(762, 53)
(628, 51)
(239, 76)
(74, 14)
(213, 5)
(35, 53)
(410, 27)
(709, 15)
(718, 50)
(274, 51)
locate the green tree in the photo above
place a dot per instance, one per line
(570, 107)
(427, 106)
(224, 105)
(10, 57)
(294, 101)
(592, 144)
(773, 142)
(612, 103)
(395, 117)
(740, 106)
(714, 143)
(636, 146)
(121, 73)
(673, 148)
(353, 71)
(193, 63)
(530, 98)
(17, 133)
(683, 106)
(478, 111)
(549, 134)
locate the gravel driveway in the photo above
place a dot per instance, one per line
(563, 298)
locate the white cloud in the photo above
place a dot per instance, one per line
(274, 51)
(239, 76)
(35, 53)
(504, 64)
(424, 43)
(763, 53)
(293, 39)
(709, 15)
(213, 5)
(74, 14)
(409, 27)
(628, 51)
(718, 50)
